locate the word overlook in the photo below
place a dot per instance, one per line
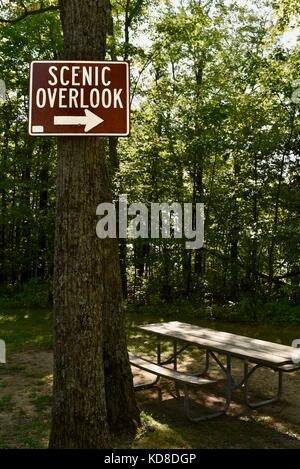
(165, 220)
(79, 98)
(2, 351)
(71, 93)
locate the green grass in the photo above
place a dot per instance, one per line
(25, 390)
(26, 433)
(42, 402)
(24, 328)
(280, 333)
(5, 403)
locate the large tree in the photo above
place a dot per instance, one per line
(93, 394)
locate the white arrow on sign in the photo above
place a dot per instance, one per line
(90, 120)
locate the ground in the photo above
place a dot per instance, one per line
(25, 391)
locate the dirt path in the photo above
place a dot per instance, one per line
(25, 402)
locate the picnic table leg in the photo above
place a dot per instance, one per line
(158, 350)
(143, 386)
(206, 366)
(175, 354)
(229, 367)
(206, 362)
(154, 383)
(177, 388)
(234, 385)
(247, 374)
(227, 371)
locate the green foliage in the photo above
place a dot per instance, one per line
(280, 312)
(244, 311)
(26, 329)
(27, 165)
(215, 123)
(31, 294)
(42, 402)
(212, 122)
(5, 403)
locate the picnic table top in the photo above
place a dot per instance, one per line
(247, 348)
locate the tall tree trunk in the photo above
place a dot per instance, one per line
(4, 272)
(43, 209)
(114, 141)
(79, 408)
(89, 323)
(27, 257)
(114, 161)
(286, 150)
(234, 234)
(186, 271)
(253, 284)
(275, 223)
(123, 414)
(199, 157)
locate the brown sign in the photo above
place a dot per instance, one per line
(79, 98)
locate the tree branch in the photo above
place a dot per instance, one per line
(289, 274)
(276, 279)
(24, 7)
(29, 13)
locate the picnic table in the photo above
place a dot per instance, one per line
(254, 354)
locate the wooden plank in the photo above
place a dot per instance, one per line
(283, 351)
(272, 348)
(146, 365)
(222, 347)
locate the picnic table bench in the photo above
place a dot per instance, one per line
(254, 353)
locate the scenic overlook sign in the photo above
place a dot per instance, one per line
(79, 98)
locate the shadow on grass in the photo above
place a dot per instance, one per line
(243, 429)
(25, 389)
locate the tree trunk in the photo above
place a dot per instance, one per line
(27, 255)
(43, 209)
(234, 234)
(275, 223)
(4, 270)
(272, 247)
(187, 271)
(123, 414)
(114, 162)
(199, 157)
(79, 409)
(88, 318)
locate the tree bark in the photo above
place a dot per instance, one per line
(43, 209)
(122, 412)
(88, 318)
(79, 408)
(27, 256)
(4, 270)
(199, 156)
(234, 234)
